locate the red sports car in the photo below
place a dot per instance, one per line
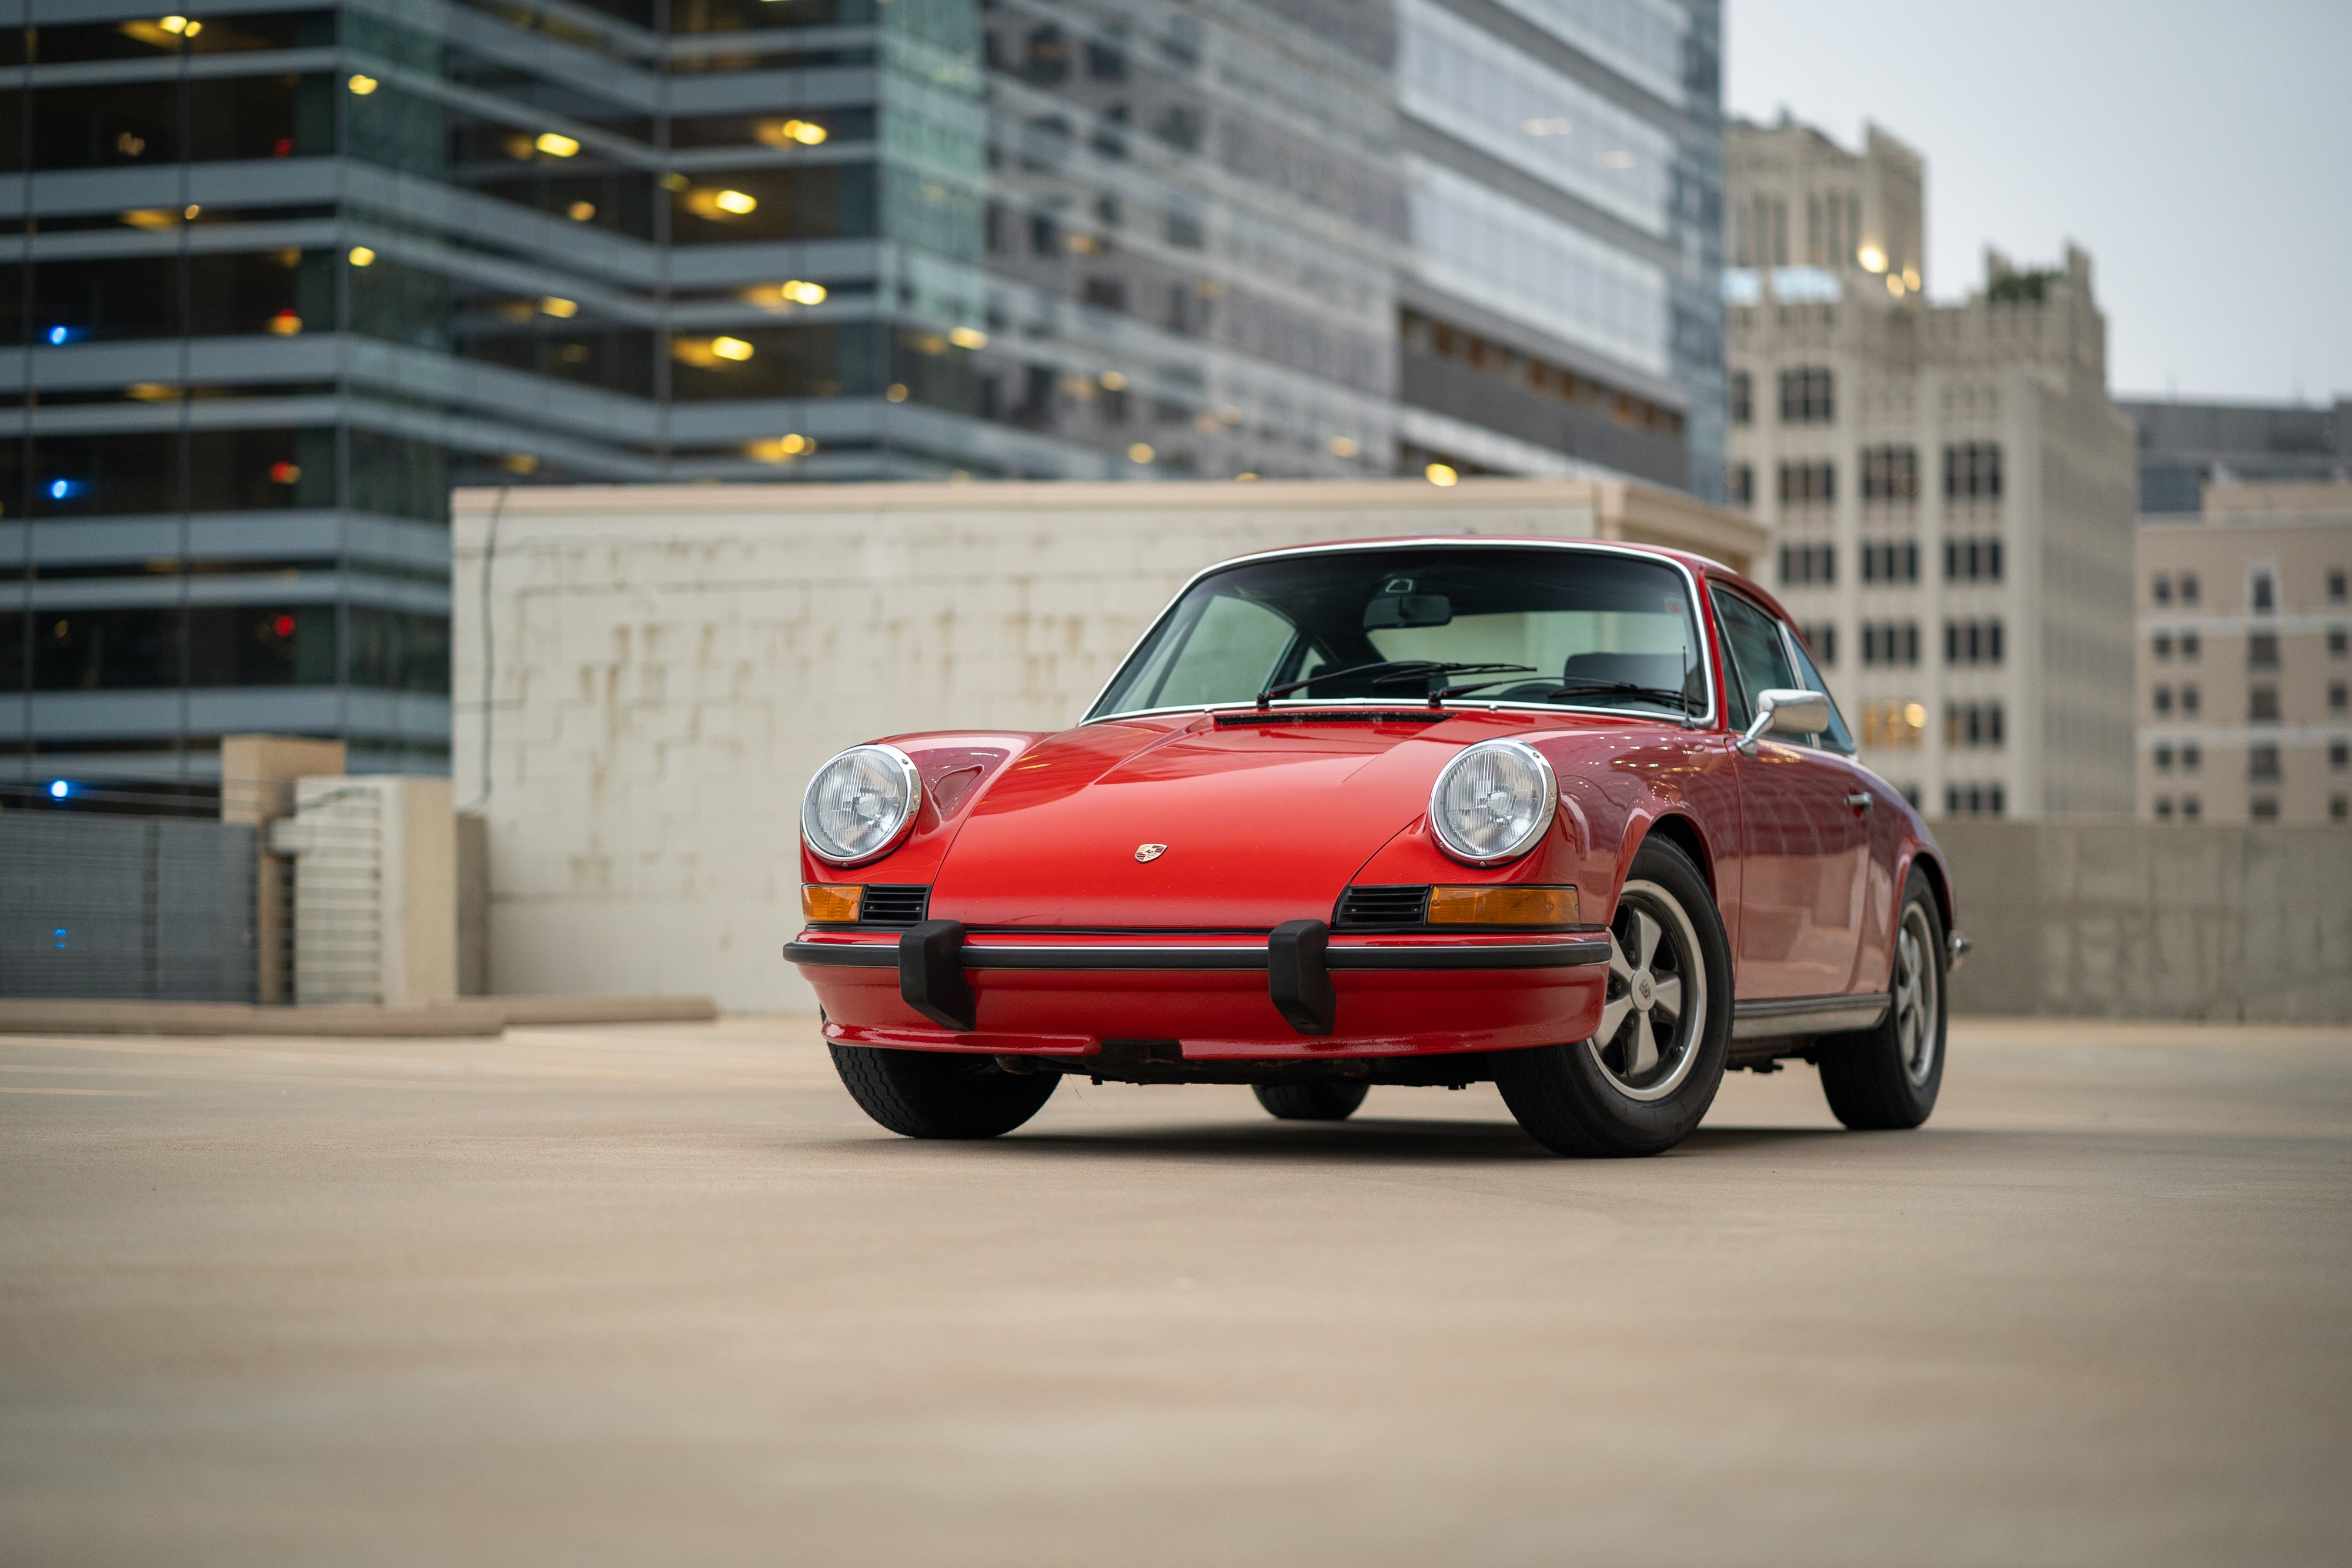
(1577, 818)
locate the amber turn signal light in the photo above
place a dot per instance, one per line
(822, 901)
(1502, 906)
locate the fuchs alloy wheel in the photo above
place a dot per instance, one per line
(1311, 1101)
(940, 1094)
(1889, 1077)
(1646, 1077)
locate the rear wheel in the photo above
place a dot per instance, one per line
(1311, 1101)
(1643, 1081)
(940, 1094)
(1889, 1077)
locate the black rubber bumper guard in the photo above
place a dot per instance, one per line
(1298, 960)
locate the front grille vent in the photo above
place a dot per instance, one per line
(892, 905)
(1384, 906)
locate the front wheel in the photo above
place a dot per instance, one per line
(1641, 1084)
(940, 1094)
(1889, 1077)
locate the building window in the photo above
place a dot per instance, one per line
(2339, 755)
(2339, 808)
(2338, 641)
(1890, 472)
(2188, 697)
(1808, 565)
(1741, 483)
(1972, 471)
(1973, 801)
(1743, 398)
(1890, 642)
(2262, 651)
(2163, 758)
(2163, 699)
(2191, 646)
(2192, 757)
(1979, 725)
(1804, 483)
(1891, 560)
(1972, 642)
(2263, 763)
(2187, 588)
(1805, 396)
(1893, 725)
(2262, 593)
(2262, 705)
(2164, 808)
(2338, 697)
(2190, 807)
(1820, 641)
(2161, 589)
(2263, 807)
(2163, 644)
(1972, 560)
(2334, 585)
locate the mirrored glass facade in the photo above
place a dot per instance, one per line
(274, 278)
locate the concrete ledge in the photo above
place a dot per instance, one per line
(465, 1016)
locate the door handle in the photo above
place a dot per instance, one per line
(1860, 800)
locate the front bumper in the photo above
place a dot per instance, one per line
(1297, 991)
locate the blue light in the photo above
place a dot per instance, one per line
(61, 488)
(58, 790)
(58, 334)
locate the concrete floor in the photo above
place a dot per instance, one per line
(660, 1294)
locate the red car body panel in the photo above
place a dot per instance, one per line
(1030, 842)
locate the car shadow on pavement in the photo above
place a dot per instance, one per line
(1371, 1140)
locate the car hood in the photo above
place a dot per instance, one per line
(1263, 822)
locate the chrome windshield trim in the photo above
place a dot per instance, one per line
(1705, 720)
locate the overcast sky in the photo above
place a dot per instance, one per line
(2202, 152)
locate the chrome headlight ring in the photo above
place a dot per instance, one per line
(861, 804)
(1494, 802)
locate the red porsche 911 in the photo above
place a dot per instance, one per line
(1578, 818)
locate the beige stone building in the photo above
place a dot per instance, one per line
(2244, 656)
(1950, 491)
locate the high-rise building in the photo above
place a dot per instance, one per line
(1949, 487)
(2185, 446)
(2244, 649)
(282, 274)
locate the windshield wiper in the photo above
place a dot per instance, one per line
(1403, 666)
(1623, 688)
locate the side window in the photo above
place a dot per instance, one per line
(1836, 737)
(1754, 649)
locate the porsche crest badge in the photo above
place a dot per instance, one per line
(1150, 852)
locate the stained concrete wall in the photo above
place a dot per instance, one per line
(2117, 919)
(661, 669)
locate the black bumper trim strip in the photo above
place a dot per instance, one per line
(1517, 956)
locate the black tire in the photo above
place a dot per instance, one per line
(1614, 1096)
(1310, 1101)
(940, 1094)
(1878, 1079)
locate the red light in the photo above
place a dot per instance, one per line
(284, 472)
(283, 626)
(285, 147)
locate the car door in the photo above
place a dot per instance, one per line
(1805, 839)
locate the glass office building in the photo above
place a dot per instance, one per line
(279, 277)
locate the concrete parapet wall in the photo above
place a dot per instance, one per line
(2117, 919)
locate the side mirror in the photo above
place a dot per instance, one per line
(1786, 710)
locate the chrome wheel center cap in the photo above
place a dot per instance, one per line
(1645, 989)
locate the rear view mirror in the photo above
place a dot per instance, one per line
(1408, 610)
(1786, 710)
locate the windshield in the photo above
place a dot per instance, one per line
(1561, 628)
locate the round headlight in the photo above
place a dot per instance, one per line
(859, 804)
(1493, 803)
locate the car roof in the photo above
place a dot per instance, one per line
(1697, 565)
